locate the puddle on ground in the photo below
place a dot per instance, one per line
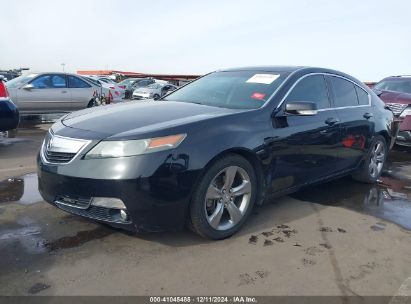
(31, 120)
(79, 239)
(389, 199)
(21, 190)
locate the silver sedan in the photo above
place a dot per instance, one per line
(52, 93)
(154, 91)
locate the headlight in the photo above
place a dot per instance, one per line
(111, 149)
(406, 112)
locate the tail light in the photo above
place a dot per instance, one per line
(122, 86)
(3, 90)
(112, 88)
(117, 93)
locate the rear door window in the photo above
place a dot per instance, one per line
(313, 89)
(77, 83)
(344, 92)
(58, 81)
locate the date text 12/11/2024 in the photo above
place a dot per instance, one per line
(204, 299)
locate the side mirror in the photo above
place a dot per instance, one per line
(28, 87)
(304, 108)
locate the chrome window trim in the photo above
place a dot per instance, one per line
(278, 89)
(325, 74)
(44, 159)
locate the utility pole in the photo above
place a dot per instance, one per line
(63, 65)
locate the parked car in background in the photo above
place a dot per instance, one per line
(124, 83)
(138, 83)
(116, 92)
(395, 91)
(106, 79)
(154, 91)
(104, 91)
(9, 114)
(208, 152)
(51, 93)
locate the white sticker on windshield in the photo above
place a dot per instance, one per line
(263, 78)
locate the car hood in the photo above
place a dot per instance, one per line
(135, 118)
(144, 90)
(395, 97)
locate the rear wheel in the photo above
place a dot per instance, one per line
(224, 198)
(92, 103)
(156, 97)
(371, 170)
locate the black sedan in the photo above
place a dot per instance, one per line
(9, 114)
(210, 151)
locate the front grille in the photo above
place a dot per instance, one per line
(96, 213)
(61, 150)
(397, 108)
(58, 157)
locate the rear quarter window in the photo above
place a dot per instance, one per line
(363, 98)
(344, 92)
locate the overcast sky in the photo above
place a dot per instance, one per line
(369, 39)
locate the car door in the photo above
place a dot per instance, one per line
(81, 92)
(353, 106)
(47, 93)
(305, 148)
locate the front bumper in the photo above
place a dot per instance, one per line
(154, 199)
(404, 138)
(404, 134)
(141, 96)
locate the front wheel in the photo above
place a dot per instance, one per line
(224, 198)
(374, 162)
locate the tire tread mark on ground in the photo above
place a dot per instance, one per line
(339, 279)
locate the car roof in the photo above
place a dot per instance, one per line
(58, 73)
(272, 68)
(399, 77)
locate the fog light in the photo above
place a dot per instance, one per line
(123, 215)
(108, 202)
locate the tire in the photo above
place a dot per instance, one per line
(8, 134)
(371, 169)
(92, 103)
(213, 214)
(156, 97)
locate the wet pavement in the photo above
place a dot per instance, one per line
(350, 236)
(22, 190)
(389, 199)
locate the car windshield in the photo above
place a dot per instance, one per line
(234, 89)
(397, 85)
(126, 82)
(19, 81)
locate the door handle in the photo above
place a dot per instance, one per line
(332, 121)
(368, 115)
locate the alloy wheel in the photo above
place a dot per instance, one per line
(227, 198)
(377, 159)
